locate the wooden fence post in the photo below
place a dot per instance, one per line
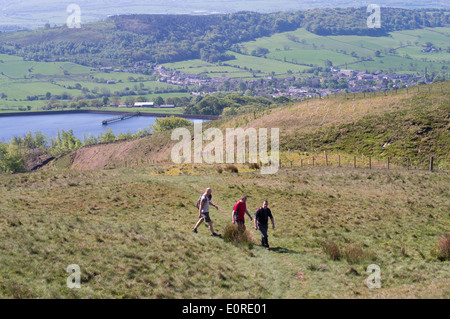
(388, 162)
(339, 165)
(301, 163)
(370, 162)
(354, 162)
(313, 161)
(326, 158)
(408, 163)
(431, 163)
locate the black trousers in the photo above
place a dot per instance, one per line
(264, 236)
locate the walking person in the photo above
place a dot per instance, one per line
(239, 211)
(262, 216)
(203, 211)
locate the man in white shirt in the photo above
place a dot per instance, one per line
(203, 211)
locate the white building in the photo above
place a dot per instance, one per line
(144, 104)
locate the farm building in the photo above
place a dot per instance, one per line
(144, 104)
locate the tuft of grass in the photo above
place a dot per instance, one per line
(332, 250)
(231, 168)
(231, 234)
(444, 248)
(354, 253)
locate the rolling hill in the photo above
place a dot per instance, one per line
(399, 125)
(129, 228)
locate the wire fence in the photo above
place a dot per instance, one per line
(296, 160)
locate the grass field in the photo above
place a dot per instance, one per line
(206, 69)
(309, 48)
(129, 230)
(20, 79)
(296, 51)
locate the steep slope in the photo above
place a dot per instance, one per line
(413, 124)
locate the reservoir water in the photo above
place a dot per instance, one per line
(82, 124)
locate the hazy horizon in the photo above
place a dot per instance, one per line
(33, 14)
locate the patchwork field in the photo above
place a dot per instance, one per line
(299, 50)
(302, 46)
(20, 79)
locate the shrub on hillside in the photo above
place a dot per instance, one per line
(169, 123)
(11, 158)
(443, 249)
(231, 168)
(232, 235)
(332, 250)
(354, 253)
(254, 166)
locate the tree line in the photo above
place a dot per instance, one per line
(129, 39)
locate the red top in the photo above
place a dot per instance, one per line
(240, 208)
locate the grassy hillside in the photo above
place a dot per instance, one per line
(124, 213)
(129, 230)
(400, 125)
(417, 128)
(401, 50)
(298, 51)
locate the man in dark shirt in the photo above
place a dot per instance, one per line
(262, 216)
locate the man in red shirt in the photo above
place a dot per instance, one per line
(239, 211)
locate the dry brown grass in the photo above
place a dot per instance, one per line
(332, 250)
(231, 168)
(444, 248)
(354, 253)
(231, 234)
(254, 166)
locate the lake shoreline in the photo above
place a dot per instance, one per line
(186, 116)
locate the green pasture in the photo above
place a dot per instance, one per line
(303, 47)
